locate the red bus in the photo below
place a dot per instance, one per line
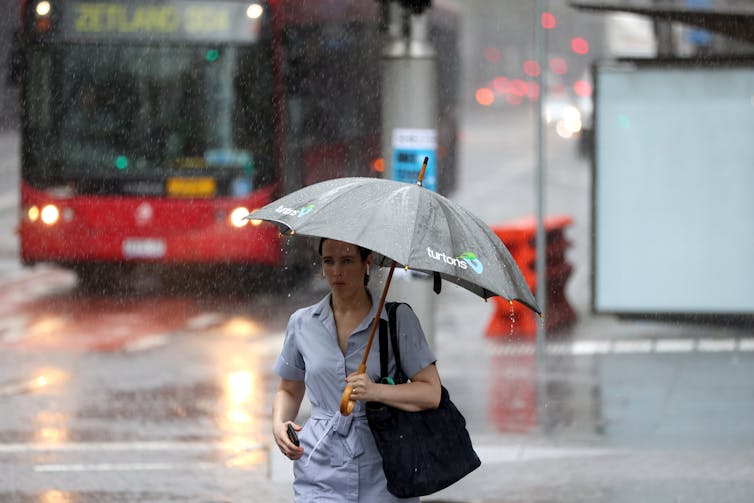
(150, 128)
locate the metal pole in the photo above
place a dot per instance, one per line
(540, 42)
(409, 127)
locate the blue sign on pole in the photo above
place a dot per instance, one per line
(410, 147)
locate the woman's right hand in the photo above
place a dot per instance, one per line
(288, 448)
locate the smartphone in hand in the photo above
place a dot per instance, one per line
(292, 435)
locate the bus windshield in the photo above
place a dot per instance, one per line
(101, 114)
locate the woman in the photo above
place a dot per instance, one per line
(324, 344)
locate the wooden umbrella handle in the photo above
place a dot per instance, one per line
(346, 404)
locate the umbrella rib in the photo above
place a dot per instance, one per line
(414, 224)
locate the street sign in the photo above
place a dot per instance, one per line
(410, 147)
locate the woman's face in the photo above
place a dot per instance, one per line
(343, 267)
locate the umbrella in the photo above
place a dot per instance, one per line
(404, 225)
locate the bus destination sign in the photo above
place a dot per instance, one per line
(174, 20)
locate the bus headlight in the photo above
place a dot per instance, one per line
(42, 21)
(43, 8)
(253, 222)
(33, 213)
(238, 217)
(254, 11)
(49, 215)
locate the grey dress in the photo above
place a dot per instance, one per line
(341, 462)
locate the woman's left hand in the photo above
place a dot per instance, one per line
(363, 387)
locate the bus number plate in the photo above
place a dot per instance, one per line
(143, 248)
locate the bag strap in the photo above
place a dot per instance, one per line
(383, 349)
(391, 327)
(392, 309)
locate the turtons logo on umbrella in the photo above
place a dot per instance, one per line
(464, 261)
(305, 209)
(294, 213)
(473, 261)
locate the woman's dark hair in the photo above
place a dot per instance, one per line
(363, 252)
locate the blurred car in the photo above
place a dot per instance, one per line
(569, 114)
(561, 112)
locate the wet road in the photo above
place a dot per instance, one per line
(137, 397)
(100, 408)
(158, 396)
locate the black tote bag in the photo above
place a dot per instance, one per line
(422, 452)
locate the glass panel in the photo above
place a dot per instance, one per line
(103, 111)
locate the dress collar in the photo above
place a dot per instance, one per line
(323, 311)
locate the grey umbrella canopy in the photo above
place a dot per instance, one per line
(406, 223)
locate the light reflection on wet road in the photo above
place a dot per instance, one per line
(139, 397)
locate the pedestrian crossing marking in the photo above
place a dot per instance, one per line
(630, 346)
